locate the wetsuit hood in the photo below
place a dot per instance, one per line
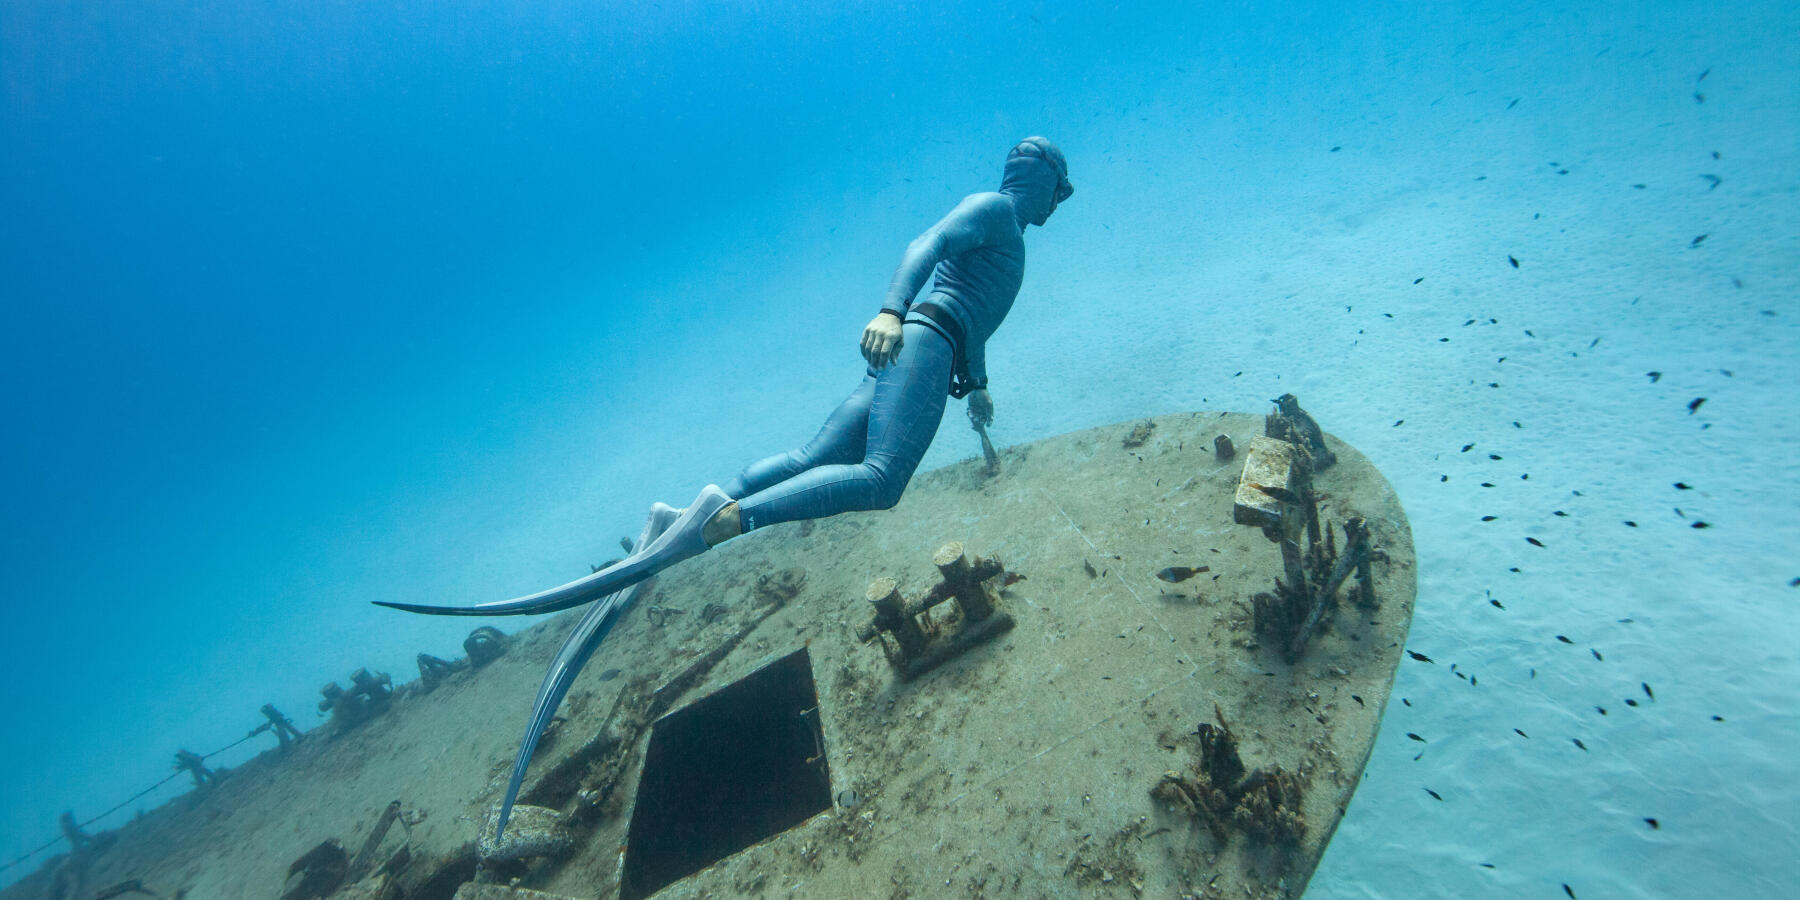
(1037, 175)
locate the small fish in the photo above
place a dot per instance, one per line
(1434, 794)
(848, 798)
(1561, 514)
(1654, 376)
(1179, 574)
(1714, 179)
(1570, 891)
(1601, 710)
(1089, 568)
(609, 674)
(1528, 333)
(1701, 525)
(1630, 702)
(1703, 76)
(1417, 738)
(1651, 821)
(1715, 718)
(1418, 279)
(1397, 423)
(1694, 405)
(1630, 523)
(1489, 518)
(1564, 639)
(1487, 865)
(1359, 700)
(1578, 743)
(1521, 734)
(1647, 692)
(1467, 447)
(1515, 102)
(1420, 657)
(1409, 703)
(1597, 654)
(1512, 259)
(1011, 578)
(1534, 542)
(1697, 241)
(1496, 604)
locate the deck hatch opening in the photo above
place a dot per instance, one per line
(730, 769)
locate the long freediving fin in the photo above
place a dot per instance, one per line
(571, 657)
(682, 540)
(580, 646)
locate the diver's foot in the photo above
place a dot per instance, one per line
(723, 526)
(686, 536)
(671, 536)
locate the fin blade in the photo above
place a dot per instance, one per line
(574, 654)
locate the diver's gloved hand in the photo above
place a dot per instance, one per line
(881, 340)
(981, 408)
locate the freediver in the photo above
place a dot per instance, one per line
(867, 450)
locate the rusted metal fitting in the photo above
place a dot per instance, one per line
(891, 616)
(1222, 447)
(1275, 493)
(964, 582)
(484, 645)
(433, 670)
(1291, 423)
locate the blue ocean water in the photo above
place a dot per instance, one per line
(309, 304)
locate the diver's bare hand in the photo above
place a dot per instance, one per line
(881, 340)
(981, 408)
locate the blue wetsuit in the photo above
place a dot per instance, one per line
(867, 450)
(869, 447)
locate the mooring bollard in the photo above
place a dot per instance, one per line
(891, 617)
(965, 582)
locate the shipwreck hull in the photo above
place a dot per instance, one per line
(1034, 761)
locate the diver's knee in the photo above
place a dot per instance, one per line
(888, 491)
